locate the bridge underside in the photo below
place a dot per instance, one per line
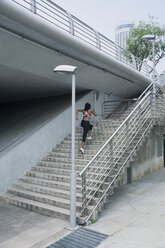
(28, 58)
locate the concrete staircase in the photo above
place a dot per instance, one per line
(46, 187)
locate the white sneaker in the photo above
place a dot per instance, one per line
(89, 138)
(82, 150)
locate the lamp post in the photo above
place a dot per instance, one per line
(68, 69)
(152, 38)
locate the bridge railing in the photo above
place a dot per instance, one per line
(71, 24)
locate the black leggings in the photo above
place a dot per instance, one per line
(87, 126)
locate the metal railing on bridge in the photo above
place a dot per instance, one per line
(56, 15)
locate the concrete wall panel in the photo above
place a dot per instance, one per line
(31, 150)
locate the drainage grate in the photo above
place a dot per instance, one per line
(81, 238)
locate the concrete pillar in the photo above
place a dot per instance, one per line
(129, 173)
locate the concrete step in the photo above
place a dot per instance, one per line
(107, 122)
(69, 146)
(100, 127)
(95, 139)
(78, 155)
(51, 170)
(54, 188)
(66, 160)
(66, 152)
(61, 171)
(81, 159)
(88, 155)
(59, 165)
(66, 149)
(49, 176)
(64, 178)
(47, 199)
(42, 208)
(38, 207)
(64, 193)
(79, 162)
(88, 142)
(88, 147)
(95, 136)
(97, 131)
(47, 183)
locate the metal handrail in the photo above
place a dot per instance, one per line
(139, 120)
(120, 127)
(119, 171)
(53, 13)
(159, 83)
(142, 96)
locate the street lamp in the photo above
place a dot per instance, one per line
(68, 69)
(152, 38)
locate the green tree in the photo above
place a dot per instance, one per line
(143, 49)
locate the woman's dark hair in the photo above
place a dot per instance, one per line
(87, 106)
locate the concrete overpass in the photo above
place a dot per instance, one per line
(32, 44)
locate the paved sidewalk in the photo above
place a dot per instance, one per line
(20, 228)
(134, 218)
(135, 215)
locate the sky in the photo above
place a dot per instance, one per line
(105, 15)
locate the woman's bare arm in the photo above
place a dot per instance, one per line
(93, 111)
(78, 110)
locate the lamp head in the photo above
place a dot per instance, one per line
(65, 69)
(148, 37)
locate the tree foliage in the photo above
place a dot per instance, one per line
(143, 49)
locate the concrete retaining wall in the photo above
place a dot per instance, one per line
(151, 155)
(28, 151)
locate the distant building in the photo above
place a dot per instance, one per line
(122, 33)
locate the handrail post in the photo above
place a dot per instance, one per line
(127, 132)
(154, 105)
(98, 43)
(154, 88)
(117, 52)
(129, 173)
(160, 109)
(133, 60)
(71, 23)
(84, 194)
(111, 152)
(103, 110)
(140, 117)
(163, 108)
(33, 6)
(146, 66)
